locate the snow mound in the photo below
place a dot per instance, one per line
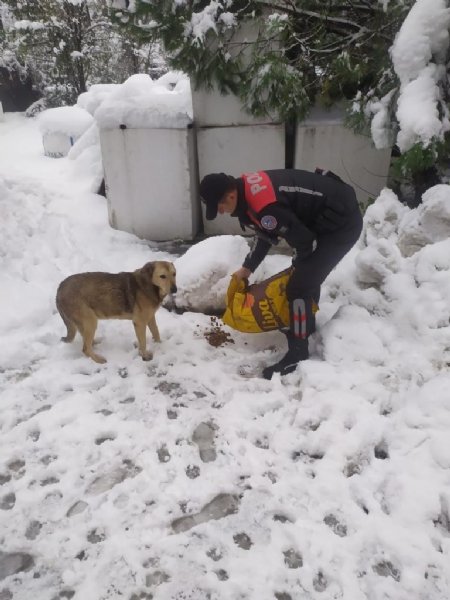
(95, 95)
(203, 273)
(142, 102)
(70, 120)
(428, 223)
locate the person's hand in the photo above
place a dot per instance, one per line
(242, 273)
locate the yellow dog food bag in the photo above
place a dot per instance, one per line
(258, 307)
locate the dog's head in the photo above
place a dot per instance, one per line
(161, 274)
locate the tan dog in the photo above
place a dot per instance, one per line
(84, 298)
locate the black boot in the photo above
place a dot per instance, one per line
(297, 351)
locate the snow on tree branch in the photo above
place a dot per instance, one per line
(418, 55)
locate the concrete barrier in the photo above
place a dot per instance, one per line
(323, 141)
(151, 182)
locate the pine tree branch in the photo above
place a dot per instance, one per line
(339, 21)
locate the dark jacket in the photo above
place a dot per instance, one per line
(297, 206)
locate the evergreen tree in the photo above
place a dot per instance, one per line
(281, 57)
(68, 45)
(16, 90)
(410, 107)
(299, 52)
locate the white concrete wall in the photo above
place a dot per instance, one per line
(323, 141)
(212, 109)
(151, 182)
(236, 150)
(320, 143)
(152, 175)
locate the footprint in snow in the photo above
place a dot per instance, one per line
(221, 506)
(335, 525)
(203, 436)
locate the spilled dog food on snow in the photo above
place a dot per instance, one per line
(216, 336)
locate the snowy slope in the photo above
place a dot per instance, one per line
(178, 479)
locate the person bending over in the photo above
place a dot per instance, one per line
(318, 216)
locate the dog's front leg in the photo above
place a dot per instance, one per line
(154, 328)
(139, 327)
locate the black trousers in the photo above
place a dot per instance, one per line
(309, 273)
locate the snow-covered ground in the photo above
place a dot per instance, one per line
(177, 479)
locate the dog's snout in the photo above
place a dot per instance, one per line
(173, 289)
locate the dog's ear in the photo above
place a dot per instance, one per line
(148, 269)
(144, 276)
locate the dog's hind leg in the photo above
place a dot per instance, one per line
(87, 330)
(71, 327)
(71, 333)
